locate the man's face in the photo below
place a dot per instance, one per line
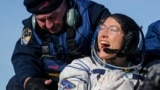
(53, 21)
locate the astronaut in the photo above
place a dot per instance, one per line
(115, 62)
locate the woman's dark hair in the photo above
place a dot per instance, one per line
(131, 31)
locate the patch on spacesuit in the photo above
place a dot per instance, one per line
(26, 36)
(66, 85)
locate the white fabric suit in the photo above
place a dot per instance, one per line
(84, 73)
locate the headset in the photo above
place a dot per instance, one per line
(72, 17)
(127, 45)
(123, 52)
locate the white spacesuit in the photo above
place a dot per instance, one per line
(90, 73)
(83, 74)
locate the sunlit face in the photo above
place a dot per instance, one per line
(110, 36)
(53, 21)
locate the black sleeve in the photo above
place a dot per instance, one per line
(97, 13)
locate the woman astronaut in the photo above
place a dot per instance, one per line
(114, 64)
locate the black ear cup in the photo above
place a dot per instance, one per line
(72, 19)
(127, 42)
(125, 49)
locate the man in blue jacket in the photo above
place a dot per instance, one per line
(152, 41)
(152, 52)
(57, 32)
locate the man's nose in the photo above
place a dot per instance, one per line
(49, 25)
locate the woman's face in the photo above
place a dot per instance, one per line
(110, 36)
(53, 21)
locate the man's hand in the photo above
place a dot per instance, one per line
(37, 84)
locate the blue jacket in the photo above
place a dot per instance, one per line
(26, 58)
(152, 42)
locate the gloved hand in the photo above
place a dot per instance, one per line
(113, 80)
(35, 84)
(126, 85)
(152, 70)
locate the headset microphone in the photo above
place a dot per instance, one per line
(107, 50)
